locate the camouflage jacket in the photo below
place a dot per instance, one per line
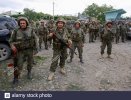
(77, 35)
(64, 35)
(42, 30)
(108, 34)
(24, 39)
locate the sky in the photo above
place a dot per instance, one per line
(61, 7)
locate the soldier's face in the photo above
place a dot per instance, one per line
(77, 25)
(23, 24)
(60, 24)
(42, 23)
(109, 25)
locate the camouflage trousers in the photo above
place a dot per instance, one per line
(123, 36)
(91, 36)
(109, 47)
(41, 39)
(58, 54)
(22, 56)
(79, 47)
(117, 37)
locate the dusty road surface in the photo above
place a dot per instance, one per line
(96, 74)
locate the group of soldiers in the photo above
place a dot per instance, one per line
(29, 37)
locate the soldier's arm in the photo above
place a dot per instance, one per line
(83, 36)
(36, 39)
(13, 37)
(68, 34)
(69, 38)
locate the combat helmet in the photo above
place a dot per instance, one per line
(42, 21)
(37, 23)
(60, 20)
(109, 22)
(77, 22)
(23, 18)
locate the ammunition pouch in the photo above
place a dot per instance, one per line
(56, 45)
(22, 45)
(76, 38)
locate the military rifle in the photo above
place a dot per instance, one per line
(64, 43)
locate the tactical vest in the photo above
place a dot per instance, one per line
(56, 43)
(42, 30)
(108, 35)
(76, 35)
(24, 39)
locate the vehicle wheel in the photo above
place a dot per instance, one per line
(5, 52)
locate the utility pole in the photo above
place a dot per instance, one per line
(53, 9)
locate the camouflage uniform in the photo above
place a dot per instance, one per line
(36, 28)
(91, 32)
(25, 41)
(78, 38)
(117, 35)
(69, 26)
(43, 32)
(32, 25)
(83, 27)
(123, 32)
(107, 40)
(51, 28)
(59, 51)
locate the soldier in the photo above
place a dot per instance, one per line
(32, 24)
(83, 27)
(96, 34)
(123, 31)
(50, 27)
(36, 27)
(101, 28)
(117, 35)
(78, 39)
(91, 31)
(24, 39)
(69, 26)
(107, 37)
(43, 32)
(59, 51)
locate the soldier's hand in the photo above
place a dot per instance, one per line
(70, 43)
(82, 45)
(14, 49)
(51, 34)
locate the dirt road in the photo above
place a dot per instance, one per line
(96, 74)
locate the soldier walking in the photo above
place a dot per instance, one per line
(123, 31)
(107, 37)
(91, 32)
(59, 51)
(43, 32)
(24, 39)
(78, 39)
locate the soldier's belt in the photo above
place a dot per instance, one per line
(76, 40)
(56, 43)
(23, 45)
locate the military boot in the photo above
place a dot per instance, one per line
(29, 76)
(70, 60)
(51, 75)
(15, 80)
(81, 60)
(62, 70)
(108, 56)
(16, 76)
(102, 56)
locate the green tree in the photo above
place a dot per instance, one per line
(97, 11)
